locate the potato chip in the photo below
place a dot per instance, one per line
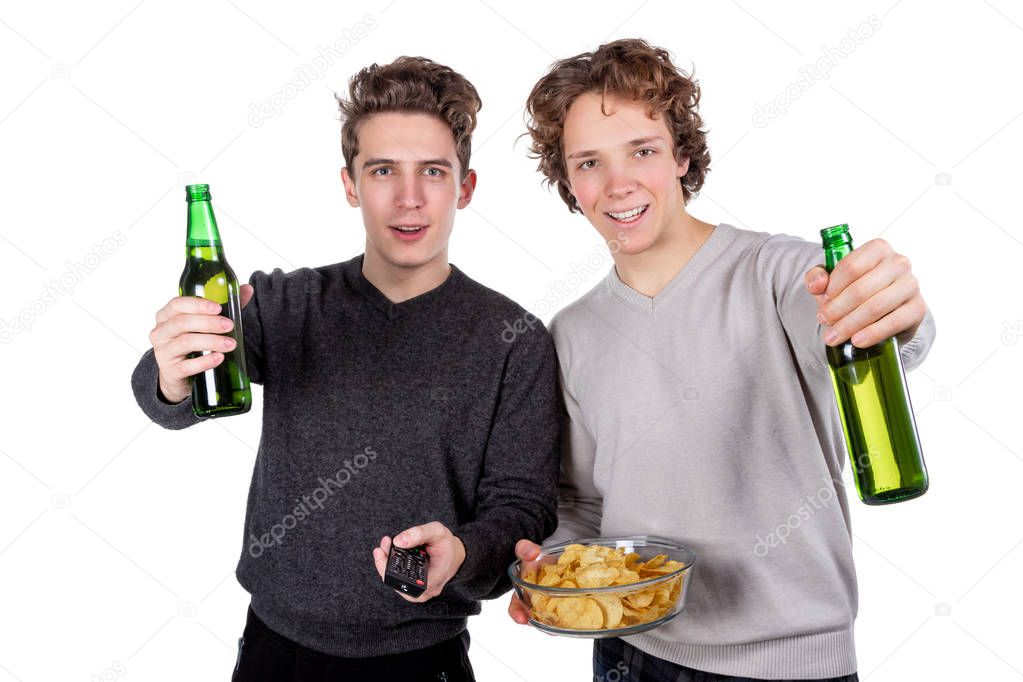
(594, 554)
(612, 608)
(570, 555)
(596, 575)
(625, 577)
(580, 613)
(640, 600)
(550, 580)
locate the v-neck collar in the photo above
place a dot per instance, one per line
(357, 280)
(711, 248)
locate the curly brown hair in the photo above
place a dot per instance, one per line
(410, 84)
(631, 69)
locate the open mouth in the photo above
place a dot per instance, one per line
(629, 216)
(409, 233)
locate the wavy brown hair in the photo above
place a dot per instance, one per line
(630, 69)
(410, 84)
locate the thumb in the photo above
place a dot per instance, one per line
(816, 280)
(526, 550)
(245, 292)
(425, 534)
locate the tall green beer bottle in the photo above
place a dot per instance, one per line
(873, 401)
(223, 390)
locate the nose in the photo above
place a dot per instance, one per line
(619, 184)
(410, 195)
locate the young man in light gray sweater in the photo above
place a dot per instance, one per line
(699, 405)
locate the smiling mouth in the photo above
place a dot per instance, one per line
(408, 229)
(629, 216)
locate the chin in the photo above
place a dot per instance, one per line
(627, 244)
(409, 260)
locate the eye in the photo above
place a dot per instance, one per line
(434, 172)
(587, 164)
(380, 171)
(645, 152)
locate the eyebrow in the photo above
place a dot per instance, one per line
(391, 162)
(631, 143)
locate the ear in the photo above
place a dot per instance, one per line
(466, 189)
(683, 167)
(350, 195)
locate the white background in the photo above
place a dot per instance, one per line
(118, 540)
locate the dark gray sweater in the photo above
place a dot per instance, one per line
(376, 417)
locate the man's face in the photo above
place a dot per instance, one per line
(405, 179)
(622, 170)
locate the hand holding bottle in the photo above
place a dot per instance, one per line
(870, 296)
(185, 325)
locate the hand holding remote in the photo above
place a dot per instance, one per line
(446, 554)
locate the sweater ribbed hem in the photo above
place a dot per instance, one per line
(807, 657)
(358, 640)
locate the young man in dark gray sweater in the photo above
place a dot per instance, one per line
(393, 403)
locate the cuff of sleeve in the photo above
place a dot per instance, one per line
(483, 573)
(145, 383)
(914, 350)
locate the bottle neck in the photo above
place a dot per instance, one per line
(835, 253)
(203, 239)
(837, 245)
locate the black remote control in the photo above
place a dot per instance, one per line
(406, 570)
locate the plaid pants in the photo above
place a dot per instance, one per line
(614, 660)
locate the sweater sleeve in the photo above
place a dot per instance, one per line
(783, 262)
(517, 492)
(580, 504)
(913, 350)
(145, 380)
(145, 383)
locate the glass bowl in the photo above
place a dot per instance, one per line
(648, 589)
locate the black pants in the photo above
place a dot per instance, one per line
(266, 656)
(614, 660)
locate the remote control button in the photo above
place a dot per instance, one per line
(420, 582)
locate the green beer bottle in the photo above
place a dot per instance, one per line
(223, 390)
(873, 401)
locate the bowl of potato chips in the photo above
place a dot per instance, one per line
(604, 587)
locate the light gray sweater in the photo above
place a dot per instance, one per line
(706, 415)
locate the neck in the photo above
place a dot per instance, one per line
(400, 283)
(650, 270)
